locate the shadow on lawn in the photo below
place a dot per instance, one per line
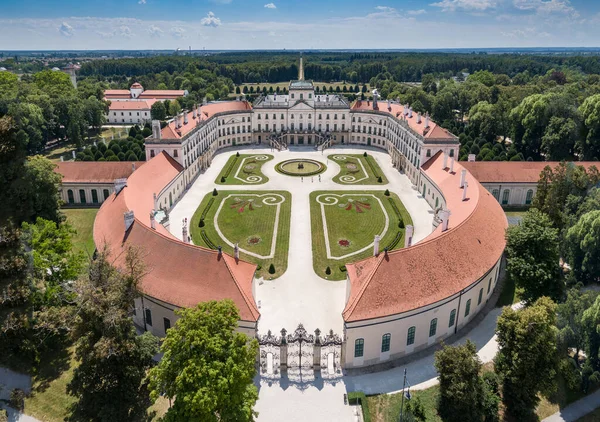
(53, 364)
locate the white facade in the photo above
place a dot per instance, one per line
(132, 116)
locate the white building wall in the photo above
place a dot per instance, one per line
(127, 117)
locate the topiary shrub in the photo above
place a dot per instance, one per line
(201, 222)
(379, 180)
(223, 179)
(215, 193)
(328, 271)
(387, 192)
(237, 154)
(401, 224)
(365, 154)
(271, 269)
(343, 268)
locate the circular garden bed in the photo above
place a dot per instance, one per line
(300, 167)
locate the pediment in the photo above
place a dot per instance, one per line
(301, 106)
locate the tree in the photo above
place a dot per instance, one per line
(113, 359)
(583, 245)
(591, 324)
(558, 141)
(158, 111)
(207, 367)
(533, 257)
(569, 320)
(462, 390)
(527, 359)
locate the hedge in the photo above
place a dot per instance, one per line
(394, 242)
(207, 240)
(358, 397)
(372, 167)
(231, 166)
(395, 208)
(210, 202)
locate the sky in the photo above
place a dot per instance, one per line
(296, 24)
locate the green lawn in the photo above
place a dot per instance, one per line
(250, 221)
(386, 407)
(82, 220)
(356, 169)
(246, 167)
(353, 220)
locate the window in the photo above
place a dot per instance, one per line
(428, 153)
(505, 196)
(167, 323)
(432, 327)
(452, 152)
(529, 197)
(82, 196)
(468, 308)
(410, 337)
(71, 196)
(94, 196)
(452, 318)
(489, 285)
(359, 348)
(385, 342)
(151, 153)
(149, 317)
(496, 194)
(480, 296)
(105, 193)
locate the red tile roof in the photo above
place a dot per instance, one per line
(206, 112)
(96, 171)
(176, 273)
(514, 171)
(441, 265)
(162, 93)
(434, 131)
(131, 105)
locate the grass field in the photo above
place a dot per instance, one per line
(356, 169)
(246, 167)
(255, 222)
(82, 220)
(353, 221)
(386, 407)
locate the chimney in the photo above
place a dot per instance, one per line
(463, 175)
(204, 101)
(405, 107)
(129, 217)
(119, 184)
(408, 235)
(132, 167)
(471, 157)
(452, 165)
(410, 112)
(156, 129)
(194, 114)
(62, 158)
(236, 251)
(376, 245)
(445, 166)
(152, 220)
(419, 118)
(184, 230)
(220, 250)
(73, 152)
(154, 201)
(389, 105)
(427, 119)
(185, 118)
(444, 215)
(466, 185)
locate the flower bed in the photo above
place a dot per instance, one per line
(344, 243)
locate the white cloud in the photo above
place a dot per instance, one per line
(66, 30)
(385, 8)
(155, 31)
(142, 2)
(177, 31)
(270, 6)
(416, 12)
(545, 6)
(125, 31)
(467, 5)
(210, 20)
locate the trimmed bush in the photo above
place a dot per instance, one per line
(401, 224)
(223, 179)
(201, 223)
(215, 193)
(379, 180)
(208, 242)
(343, 268)
(365, 154)
(328, 271)
(237, 154)
(271, 269)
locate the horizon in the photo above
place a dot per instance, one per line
(251, 25)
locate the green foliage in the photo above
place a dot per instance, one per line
(463, 392)
(223, 179)
(158, 111)
(218, 388)
(533, 257)
(387, 192)
(527, 360)
(583, 245)
(569, 320)
(328, 271)
(215, 192)
(272, 269)
(358, 397)
(365, 154)
(109, 382)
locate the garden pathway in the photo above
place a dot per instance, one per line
(576, 410)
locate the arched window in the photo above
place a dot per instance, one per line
(505, 196)
(82, 196)
(359, 347)
(106, 194)
(496, 194)
(529, 197)
(71, 196)
(148, 317)
(452, 318)
(480, 296)
(432, 327)
(94, 196)
(385, 342)
(410, 337)
(468, 308)
(437, 201)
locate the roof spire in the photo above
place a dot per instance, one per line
(301, 69)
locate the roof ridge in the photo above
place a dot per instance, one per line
(364, 287)
(251, 305)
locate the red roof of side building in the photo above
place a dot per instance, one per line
(117, 93)
(206, 112)
(96, 171)
(434, 131)
(176, 273)
(131, 105)
(514, 171)
(162, 93)
(439, 266)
